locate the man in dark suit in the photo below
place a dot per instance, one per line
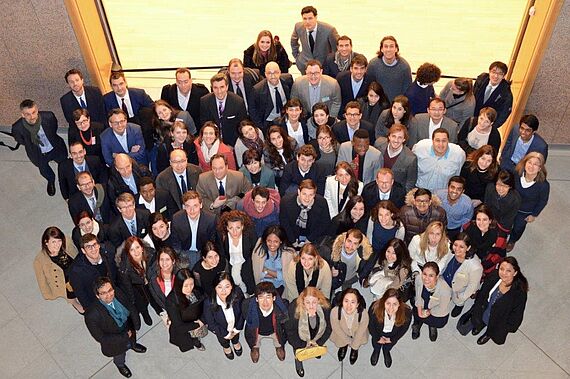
(523, 140)
(122, 137)
(82, 96)
(113, 321)
(154, 199)
(224, 108)
(339, 61)
(266, 106)
(354, 83)
(221, 188)
(37, 131)
(125, 175)
(130, 100)
(185, 95)
(316, 39)
(192, 227)
(93, 262)
(303, 168)
(241, 82)
(179, 178)
(91, 198)
(131, 222)
(384, 188)
(493, 90)
(79, 161)
(344, 130)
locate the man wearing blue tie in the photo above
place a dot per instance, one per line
(131, 222)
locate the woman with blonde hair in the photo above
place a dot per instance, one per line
(534, 190)
(430, 246)
(309, 322)
(308, 269)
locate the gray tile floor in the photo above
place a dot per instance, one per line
(48, 339)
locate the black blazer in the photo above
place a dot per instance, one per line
(183, 320)
(292, 176)
(250, 78)
(166, 181)
(78, 203)
(104, 329)
(163, 203)
(506, 314)
(180, 228)
(119, 232)
(467, 127)
(248, 242)
(82, 275)
(66, 174)
(372, 197)
(318, 223)
(49, 125)
(262, 105)
(116, 185)
(95, 106)
(341, 133)
(214, 315)
(95, 130)
(234, 113)
(282, 122)
(170, 95)
(500, 100)
(345, 83)
(376, 328)
(163, 155)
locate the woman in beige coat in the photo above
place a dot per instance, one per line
(349, 323)
(51, 265)
(308, 269)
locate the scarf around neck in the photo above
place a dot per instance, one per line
(34, 129)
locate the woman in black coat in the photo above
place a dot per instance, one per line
(264, 50)
(500, 303)
(223, 314)
(388, 312)
(184, 306)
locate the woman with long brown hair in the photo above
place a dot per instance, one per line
(266, 49)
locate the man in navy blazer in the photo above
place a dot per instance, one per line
(264, 107)
(130, 100)
(131, 221)
(184, 95)
(154, 199)
(383, 188)
(82, 96)
(79, 161)
(354, 83)
(225, 109)
(92, 198)
(493, 90)
(522, 140)
(344, 130)
(339, 61)
(122, 137)
(37, 131)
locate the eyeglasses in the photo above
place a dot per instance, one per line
(422, 201)
(106, 292)
(83, 122)
(116, 123)
(352, 114)
(179, 162)
(322, 138)
(82, 185)
(91, 247)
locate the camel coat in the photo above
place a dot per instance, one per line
(341, 336)
(50, 277)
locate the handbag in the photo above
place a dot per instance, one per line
(310, 352)
(199, 332)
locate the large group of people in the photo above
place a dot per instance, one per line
(270, 205)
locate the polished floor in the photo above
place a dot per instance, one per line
(48, 339)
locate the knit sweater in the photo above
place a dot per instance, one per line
(395, 80)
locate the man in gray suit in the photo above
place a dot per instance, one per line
(180, 177)
(221, 189)
(398, 157)
(317, 39)
(364, 159)
(314, 87)
(426, 123)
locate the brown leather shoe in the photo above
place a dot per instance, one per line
(254, 354)
(510, 247)
(280, 351)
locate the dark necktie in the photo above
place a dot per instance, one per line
(311, 40)
(221, 189)
(133, 228)
(124, 106)
(183, 184)
(278, 100)
(96, 213)
(238, 91)
(82, 103)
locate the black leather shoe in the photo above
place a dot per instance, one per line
(138, 348)
(229, 355)
(416, 331)
(387, 358)
(299, 368)
(125, 371)
(342, 352)
(51, 192)
(432, 334)
(456, 311)
(147, 319)
(476, 330)
(483, 339)
(374, 357)
(238, 351)
(353, 356)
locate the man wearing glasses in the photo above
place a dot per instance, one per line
(426, 123)
(131, 222)
(94, 263)
(122, 137)
(314, 87)
(493, 90)
(344, 130)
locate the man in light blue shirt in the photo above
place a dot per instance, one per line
(457, 205)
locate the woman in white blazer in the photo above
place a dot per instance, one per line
(463, 272)
(341, 187)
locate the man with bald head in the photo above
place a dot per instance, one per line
(180, 177)
(270, 95)
(125, 175)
